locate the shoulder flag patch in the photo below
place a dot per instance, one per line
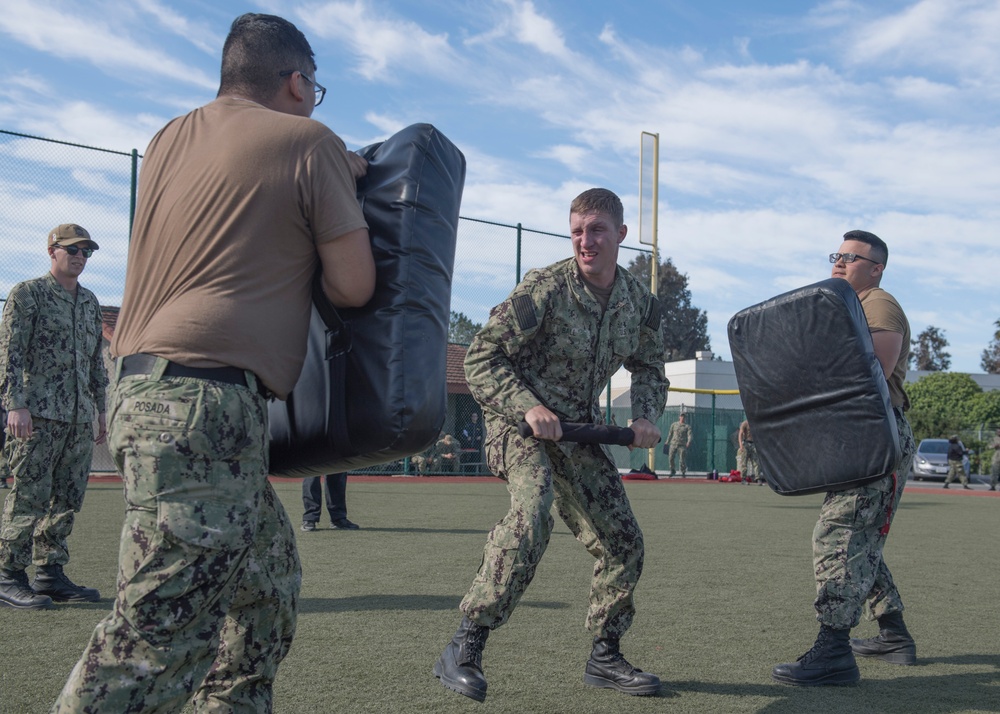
(524, 312)
(652, 318)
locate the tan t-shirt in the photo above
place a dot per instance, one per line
(885, 315)
(233, 199)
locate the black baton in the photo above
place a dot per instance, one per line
(587, 433)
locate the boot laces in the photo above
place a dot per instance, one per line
(815, 650)
(619, 662)
(58, 576)
(472, 649)
(20, 580)
(616, 660)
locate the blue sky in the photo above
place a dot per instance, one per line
(781, 126)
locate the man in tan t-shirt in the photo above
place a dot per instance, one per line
(240, 202)
(854, 523)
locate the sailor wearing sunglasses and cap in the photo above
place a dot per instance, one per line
(52, 385)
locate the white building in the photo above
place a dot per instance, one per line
(703, 372)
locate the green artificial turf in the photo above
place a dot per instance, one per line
(726, 594)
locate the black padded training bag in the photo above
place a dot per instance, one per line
(813, 390)
(373, 388)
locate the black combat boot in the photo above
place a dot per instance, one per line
(892, 644)
(460, 666)
(830, 661)
(15, 592)
(52, 581)
(607, 667)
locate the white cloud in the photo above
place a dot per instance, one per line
(199, 35)
(535, 30)
(920, 89)
(44, 113)
(47, 28)
(572, 157)
(952, 35)
(384, 45)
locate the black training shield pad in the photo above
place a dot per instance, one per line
(393, 383)
(813, 390)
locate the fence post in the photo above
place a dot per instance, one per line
(517, 268)
(133, 191)
(712, 443)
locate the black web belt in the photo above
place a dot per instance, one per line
(143, 364)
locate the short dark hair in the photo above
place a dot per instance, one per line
(599, 200)
(880, 249)
(257, 48)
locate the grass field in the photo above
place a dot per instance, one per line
(727, 593)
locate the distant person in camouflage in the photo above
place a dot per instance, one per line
(749, 463)
(853, 525)
(956, 453)
(53, 383)
(995, 463)
(426, 462)
(545, 355)
(448, 451)
(241, 203)
(677, 443)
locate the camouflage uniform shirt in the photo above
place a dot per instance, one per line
(50, 352)
(679, 434)
(550, 344)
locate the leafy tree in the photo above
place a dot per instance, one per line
(991, 355)
(944, 403)
(985, 410)
(461, 329)
(685, 327)
(927, 351)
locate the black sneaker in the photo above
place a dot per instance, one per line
(15, 592)
(345, 525)
(308, 526)
(52, 581)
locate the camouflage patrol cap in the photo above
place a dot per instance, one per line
(70, 233)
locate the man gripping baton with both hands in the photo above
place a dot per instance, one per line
(544, 356)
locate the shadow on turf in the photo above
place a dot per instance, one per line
(952, 693)
(364, 603)
(453, 531)
(104, 604)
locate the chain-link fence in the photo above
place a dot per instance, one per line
(44, 183)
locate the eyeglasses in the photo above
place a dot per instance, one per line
(849, 258)
(318, 88)
(74, 249)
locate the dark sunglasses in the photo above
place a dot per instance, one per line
(74, 249)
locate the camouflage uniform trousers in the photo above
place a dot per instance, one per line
(679, 451)
(588, 493)
(50, 470)
(209, 575)
(751, 463)
(956, 472)
(847, 546)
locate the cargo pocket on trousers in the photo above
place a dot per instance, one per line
(210, 525)
(185, 574)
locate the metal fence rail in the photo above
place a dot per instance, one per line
(46, 182)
